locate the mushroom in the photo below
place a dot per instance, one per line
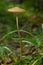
(18, 10)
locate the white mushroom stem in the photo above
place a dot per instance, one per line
(19, 37)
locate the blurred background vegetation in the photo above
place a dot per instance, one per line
(31, 22)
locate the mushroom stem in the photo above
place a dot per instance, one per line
(19, 37)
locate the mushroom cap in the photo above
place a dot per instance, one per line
(16, 10)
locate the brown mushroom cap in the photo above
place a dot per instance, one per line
(16, 9)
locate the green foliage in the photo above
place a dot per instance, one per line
(9, 37)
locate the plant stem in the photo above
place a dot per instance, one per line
(19, 37)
